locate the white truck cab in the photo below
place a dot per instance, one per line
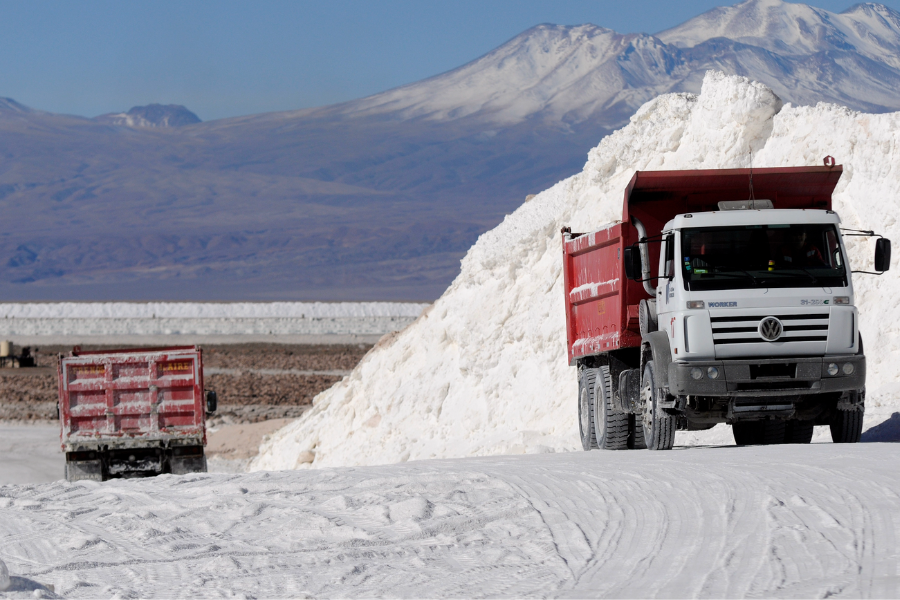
(723, 272)
(758, 313)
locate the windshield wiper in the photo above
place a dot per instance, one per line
(784, 272)
(729, 274)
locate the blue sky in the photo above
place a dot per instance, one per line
(228, 58)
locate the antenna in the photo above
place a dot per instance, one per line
(750, 152)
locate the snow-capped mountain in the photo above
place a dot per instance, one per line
(563, 74)
(872, 30)
(152, 115)
(378, 198)
(568, 75)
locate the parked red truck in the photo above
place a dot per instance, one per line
(723, 296)
(133, 412)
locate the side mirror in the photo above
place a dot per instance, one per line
(212, 401)
(632, 260)
(882, 254)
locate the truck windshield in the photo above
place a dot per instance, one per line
(773, 256)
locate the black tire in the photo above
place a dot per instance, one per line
(773, 432)
(636, 433)
(758, 433)
(658, 425)
(610, 427)
(587, 378)
(846, 426)
(746, 434)
(798, 432)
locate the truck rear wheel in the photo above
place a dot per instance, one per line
(846, 426)
(798, 432)
(587, 378)
(636, 433)
(759, 433)
(658, 425)
(610, 427)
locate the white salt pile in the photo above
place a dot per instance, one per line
(32, 320)
(4, 577)
(206, 310)
(484, 370)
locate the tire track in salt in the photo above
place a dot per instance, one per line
(689, 523)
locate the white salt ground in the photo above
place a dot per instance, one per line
(798, 521)
(483, 371)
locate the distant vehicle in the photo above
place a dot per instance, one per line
(10, 360)
(133, 412)
(752, 321)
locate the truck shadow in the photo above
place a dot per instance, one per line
(23, 584)
(887, 431)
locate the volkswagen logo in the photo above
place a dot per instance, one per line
(770, 329)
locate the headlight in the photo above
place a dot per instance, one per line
(848, 369)
(696, 304)
(832, 369)
(713, 373)
(696, 373)
(841, 300)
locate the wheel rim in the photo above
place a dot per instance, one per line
(647, 403)
(599, 417)
(585, 413)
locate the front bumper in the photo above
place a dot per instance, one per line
(784, 376)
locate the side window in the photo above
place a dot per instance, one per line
(669, 250)
(834, 249)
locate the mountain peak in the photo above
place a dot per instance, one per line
(152, 115)
(872, 30)
(868, 8)
(554, 70)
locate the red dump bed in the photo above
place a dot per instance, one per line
(601, 304)
(125, 397)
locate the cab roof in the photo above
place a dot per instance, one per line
(753, 217)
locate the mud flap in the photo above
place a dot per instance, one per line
(77, 470)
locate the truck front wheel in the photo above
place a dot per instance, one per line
(587, 378)
(658, 425)
(846, 426)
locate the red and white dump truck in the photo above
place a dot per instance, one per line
(703, 307)
(132, 413)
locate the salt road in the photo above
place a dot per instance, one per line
(773, 521)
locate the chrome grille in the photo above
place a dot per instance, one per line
(745, 329)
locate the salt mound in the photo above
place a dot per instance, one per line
(4, 577)
(484, 370)
(206, 310)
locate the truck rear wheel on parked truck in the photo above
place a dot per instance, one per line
(704, 306)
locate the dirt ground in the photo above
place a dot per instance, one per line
(254, 382)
